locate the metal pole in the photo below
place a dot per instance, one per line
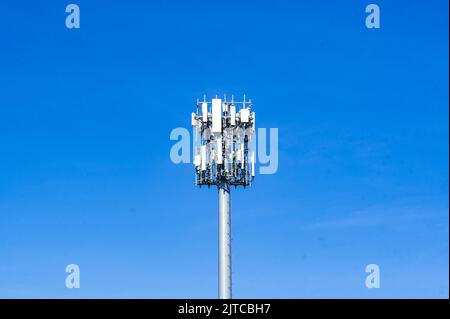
(224, 241)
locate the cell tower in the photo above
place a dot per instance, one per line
(224, 155)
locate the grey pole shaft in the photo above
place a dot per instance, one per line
(224, 241)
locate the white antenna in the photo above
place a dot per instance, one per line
(224, 156)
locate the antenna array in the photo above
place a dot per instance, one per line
(224, 148)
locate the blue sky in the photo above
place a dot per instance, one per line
(86, 176)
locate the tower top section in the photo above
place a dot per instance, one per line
(224, 147)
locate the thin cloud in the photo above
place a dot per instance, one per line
(387, 214)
